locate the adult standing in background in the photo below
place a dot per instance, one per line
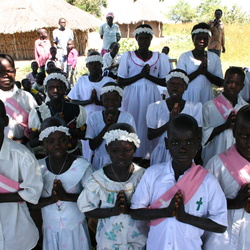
(109, 32)
(42, 47)
(61, 36)
(217, 41)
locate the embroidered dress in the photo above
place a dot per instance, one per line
(157, 115)
(117, 232)
(213, 118)
(94, 126)
(237, 235)
(208, 201)
(200, 89)
(140, 94)
(64, 226)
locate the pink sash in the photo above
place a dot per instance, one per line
(17, 113)
(223, 106)
(237, 166)
(7, 185)
(188, 184)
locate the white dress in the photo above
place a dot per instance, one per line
(94, 126)
(82, 91)
(212, 118)
(237, 235)
(200, 89)
(170, 233)
(157, 115)
(17, 229)
(64, 226)
(140, 94)
(117, 232)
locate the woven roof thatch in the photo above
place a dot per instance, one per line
(128, 11)
(29, 15)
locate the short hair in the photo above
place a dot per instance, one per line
(8, 58)
(53, 121)
(184, 122)
(243, 113)
(24, 81)
(219, 10)
(200, 26)
(113, 44)
(39, 31)
(34, 62)
(62, 18)
(122, 126)
(94, 52)
(235, 70)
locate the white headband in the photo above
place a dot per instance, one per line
(94, 58)
(107, 89)
(57, 76)
(46, 132)
(202, 31)
(121, 135)
(143, 30)
(177, 74)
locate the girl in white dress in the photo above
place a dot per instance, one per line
(141, 72)
(108, 192)
(100, 121)
(203, 67)
(64, 176)
(159, 113)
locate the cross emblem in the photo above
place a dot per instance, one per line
(199, 203)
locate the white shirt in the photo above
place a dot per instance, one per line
(61, 38)
(17, 229)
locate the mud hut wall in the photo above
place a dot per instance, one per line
(21, 45)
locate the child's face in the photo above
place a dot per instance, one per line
(53, 52)
(176, 87)
(121, 153)
(183, 145)
(56, 144)
(233, 84)
(94, 68)
(70, 45)
(242, 138)
(55, 89)
(34, 66)
(115, 49)
(27, 85)
(111, 101)
(7, 75)
(200, 41)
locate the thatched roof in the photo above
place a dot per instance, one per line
(128, 11)
(29, 15)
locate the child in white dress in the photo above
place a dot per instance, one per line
(108, 192)
(64, 176)
(100, 121)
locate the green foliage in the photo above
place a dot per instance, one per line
(127, 44)
(91, 6)
(206, 8)
(235, 15)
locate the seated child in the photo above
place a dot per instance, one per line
(64, 177)
(219, 115)
(108, 192)
(231, 168)
(180, 198)
(159, 113)
(38, 85)
(21, 182)
(99, 122)
(32, 75)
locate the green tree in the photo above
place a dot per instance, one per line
(206, 9)
(182, 12)
(235, 15)
(91, 6)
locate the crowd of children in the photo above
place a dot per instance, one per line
(95, 133)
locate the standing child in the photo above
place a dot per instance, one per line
(232, 169)
(32, 75)
(64, 177)
(71, 63)
(100, 121)
(182, 199)
(21, 182)
(54, 59)
(108, 192)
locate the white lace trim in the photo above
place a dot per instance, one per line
(107, 89)
(177, 74)
(202, 31)
(57, 76)
(46, 132)
(94, 58)
(121, 135)
(143, 30)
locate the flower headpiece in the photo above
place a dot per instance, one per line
(94, 58)
(57, 76)
(196, 31)
(143, 30)
(107, 89)
(121, 135)
(177, 74)
(46, 132)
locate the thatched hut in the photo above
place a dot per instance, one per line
(129, 14)
(20, 20)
